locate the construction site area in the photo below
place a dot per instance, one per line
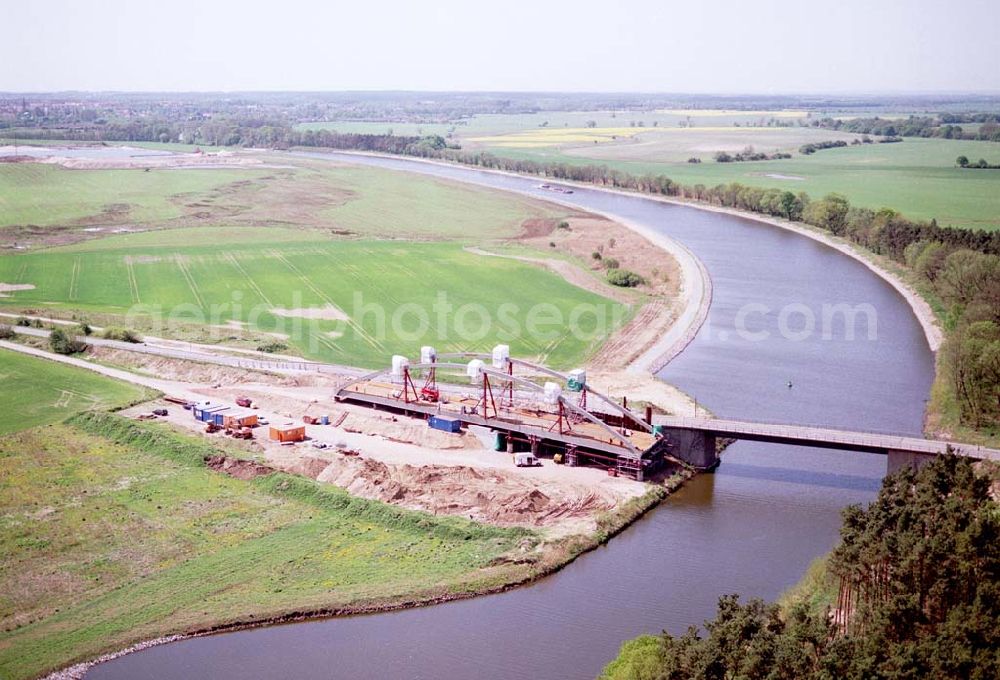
(486, 437)
(531, 410)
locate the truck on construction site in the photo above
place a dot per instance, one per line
(245, 402)
(240, 432)
(526, 459)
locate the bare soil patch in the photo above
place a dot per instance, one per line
(12, 287)
(590, 234)
(240, 468)
(328, 312)
(535, 227)
(489, 495)
(221, 159)
(660, 295)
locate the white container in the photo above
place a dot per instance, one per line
(552, 393)
(577, 380)
(399, 365)
(475, 369)
(428, 355)
(501, 355)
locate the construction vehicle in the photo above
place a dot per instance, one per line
(211, 427)
(526, 460)
(238, 432)
(245, 402)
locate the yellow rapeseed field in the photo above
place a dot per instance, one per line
(555, 136)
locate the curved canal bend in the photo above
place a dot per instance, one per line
(753, 527)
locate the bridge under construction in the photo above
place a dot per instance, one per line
(528, 406)
(531, 407)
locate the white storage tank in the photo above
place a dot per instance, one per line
(552, 393)
(501, 355)
(475, 369)
(399, 365)
(428, 354)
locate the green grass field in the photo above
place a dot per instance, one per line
(112, 532)
(369, 201)
(917, 177)
(399, 204)
(38, 392)
(45, 195)
(389, 289)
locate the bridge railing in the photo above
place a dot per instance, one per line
(829, 435)
(805, 425)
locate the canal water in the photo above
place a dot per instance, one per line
(753, 527)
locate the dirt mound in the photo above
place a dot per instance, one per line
(307, 466)
(492, 496)
(534, 227)
(238, 467)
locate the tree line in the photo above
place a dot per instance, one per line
(945, 126)
(981, 164)
(917, 577)
(807, 149)
(748, 154)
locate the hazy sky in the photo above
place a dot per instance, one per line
(625, 45)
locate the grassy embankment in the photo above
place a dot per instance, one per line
(39, 392)
(943, 413)
(278, 266)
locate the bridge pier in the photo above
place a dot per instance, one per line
(897, 460)
(694, 447)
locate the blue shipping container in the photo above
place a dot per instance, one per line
(210, 414)
(445, 424)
